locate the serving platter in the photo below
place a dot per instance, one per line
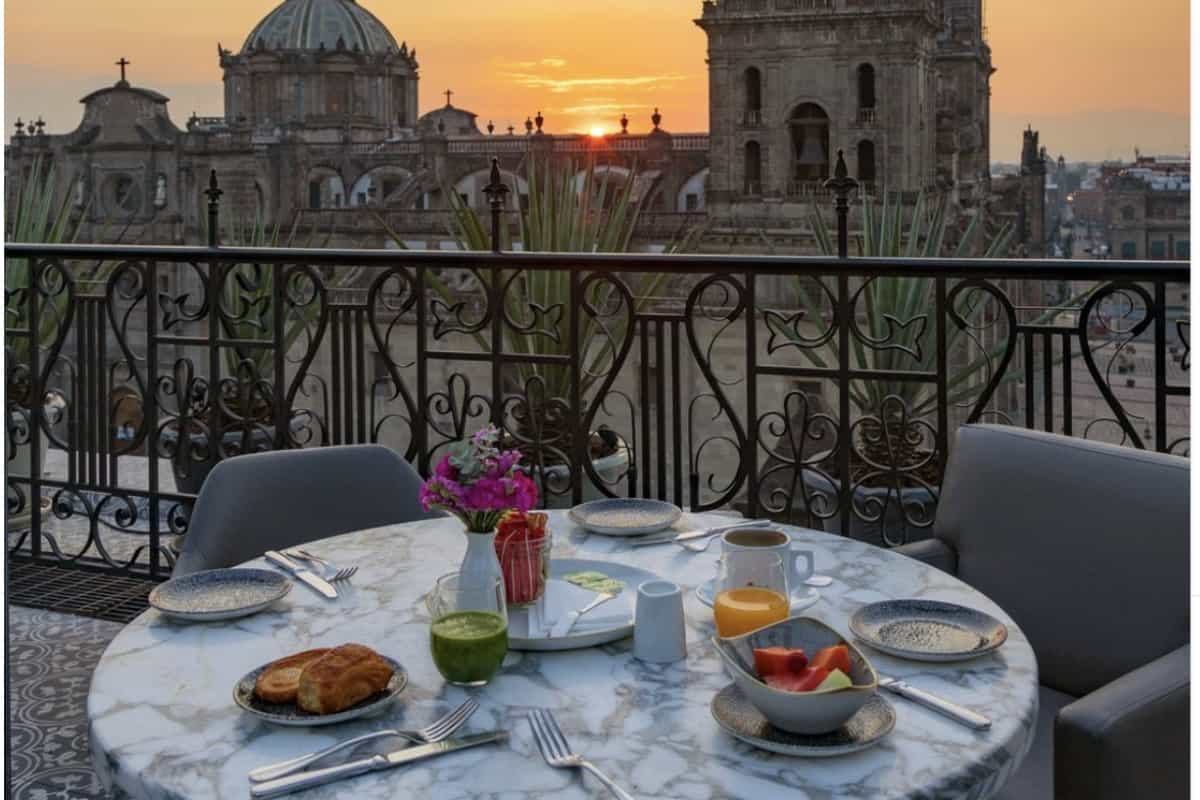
(218, 594)
(292, 715)
(928, 630)
(621, 516)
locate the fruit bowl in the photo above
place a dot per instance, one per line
(818, 711)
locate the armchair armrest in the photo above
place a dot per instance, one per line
(933, 552)
(1128, 738)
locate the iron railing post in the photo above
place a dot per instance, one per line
(841, 184)
(214, 206)
(496, 192)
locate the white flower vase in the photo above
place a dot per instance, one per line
(480, 563)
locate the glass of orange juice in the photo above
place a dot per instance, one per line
(751, 592)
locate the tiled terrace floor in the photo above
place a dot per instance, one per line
(51, 658)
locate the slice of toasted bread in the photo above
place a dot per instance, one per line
(280, 681)
(343, 677)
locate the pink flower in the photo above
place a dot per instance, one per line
(444, 469)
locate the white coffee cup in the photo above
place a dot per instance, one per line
(658, 627)
(772, 541)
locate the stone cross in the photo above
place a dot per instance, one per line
(448, 94)
(123, 63)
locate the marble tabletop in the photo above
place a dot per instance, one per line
(164, 725)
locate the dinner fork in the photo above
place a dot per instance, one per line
(557, 752)
(343, 574)
(436, 731)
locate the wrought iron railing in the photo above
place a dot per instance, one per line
(780, 386)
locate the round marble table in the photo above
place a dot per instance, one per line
(164, 725)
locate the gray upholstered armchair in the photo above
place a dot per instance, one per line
(273, 500)
(1085, 545)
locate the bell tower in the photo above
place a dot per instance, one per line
(791, 82)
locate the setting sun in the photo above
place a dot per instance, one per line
(597, 132)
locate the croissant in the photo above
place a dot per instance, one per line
(342, 677)
(280, 681)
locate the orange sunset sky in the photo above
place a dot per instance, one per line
(1097, 77)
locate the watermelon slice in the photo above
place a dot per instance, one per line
(779, 661)
(831, 658)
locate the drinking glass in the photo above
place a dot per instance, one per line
(751, 592)
(469, 633)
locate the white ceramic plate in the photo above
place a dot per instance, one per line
(292, 715)
(217, 594)
(621, 516)
(800, 601)
(630, 576)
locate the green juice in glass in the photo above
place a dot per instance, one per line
(469, 646)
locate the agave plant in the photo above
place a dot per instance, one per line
(568, 210)
(247, 293)
(894, 323)
(35, 215)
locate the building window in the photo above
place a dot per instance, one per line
(122, 195)
(753, 82)
(692, 202)
(337, 94)
(1128, 249)
(1183, 249)
(753, 168)
(1127, 213)
(1158, 249)
(866, 161)
(809, 126)
(866, 87)
(314, 194)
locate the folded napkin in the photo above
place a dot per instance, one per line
(535, 621)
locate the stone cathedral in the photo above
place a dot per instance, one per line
(321, 120)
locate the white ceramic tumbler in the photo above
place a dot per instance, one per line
(658, 627)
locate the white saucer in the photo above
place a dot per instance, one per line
(704, 592)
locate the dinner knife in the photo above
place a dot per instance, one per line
(685, 537)
(319, 777)
(954, 711)
(302, 573)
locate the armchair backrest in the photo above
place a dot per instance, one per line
(269, 501)
(1084, 544)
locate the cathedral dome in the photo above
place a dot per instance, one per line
(313, 24)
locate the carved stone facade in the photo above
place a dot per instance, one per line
(321, 122)
(900, 85)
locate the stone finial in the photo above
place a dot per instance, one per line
(20, 126)
(656, 118)
(538, 120)
(528, 126)
(624, 124)
(511, 130)
(491, 127)
(40, 125)
(340, 44)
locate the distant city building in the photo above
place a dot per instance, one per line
(321, 122)
(1140, 210)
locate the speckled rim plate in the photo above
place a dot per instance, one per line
(927, 630)
(293, 716)
(800, 600)
(217, 594)
(738, 717)
(621, 516)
